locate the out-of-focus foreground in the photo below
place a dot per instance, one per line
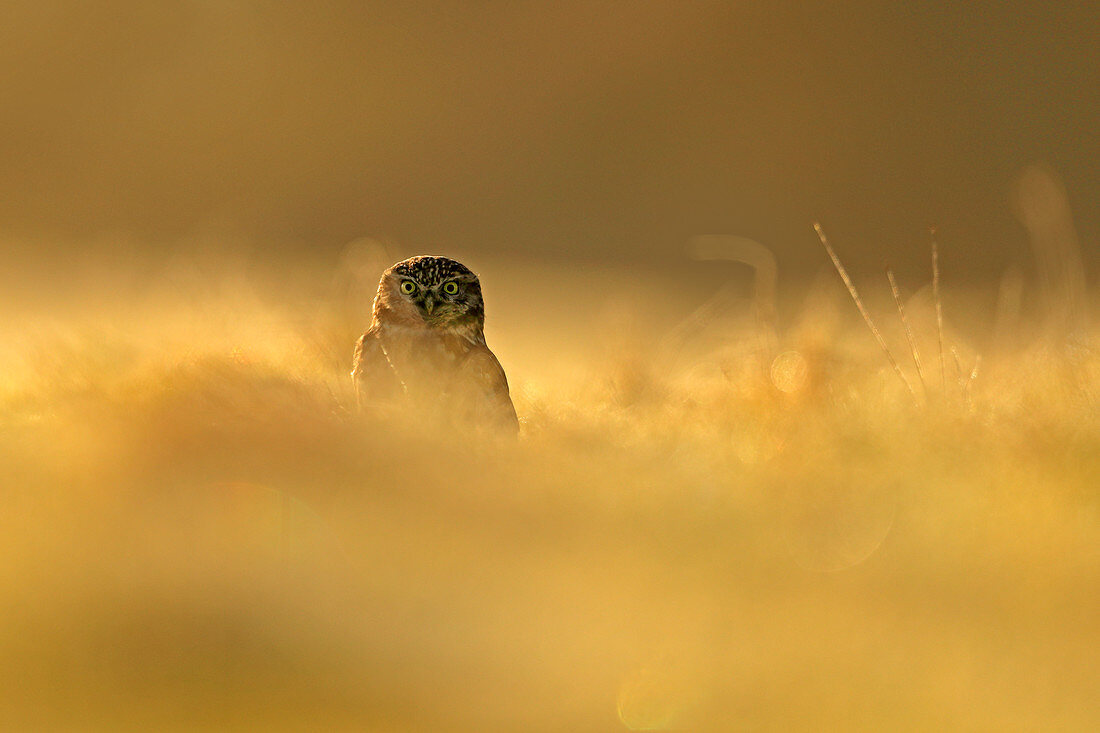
(723, 512)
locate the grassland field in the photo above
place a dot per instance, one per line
(721, 513)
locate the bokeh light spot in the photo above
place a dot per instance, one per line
(837, 526)
(789, 372)
(648, 700)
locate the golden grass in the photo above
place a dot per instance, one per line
(198, 532)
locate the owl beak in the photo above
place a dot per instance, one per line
(429, 304)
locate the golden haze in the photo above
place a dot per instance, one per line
(725, 511)
(706, 524)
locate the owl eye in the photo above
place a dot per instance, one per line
(408, 287)
(450, 288)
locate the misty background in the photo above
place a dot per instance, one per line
(589, 131)
(730, 507)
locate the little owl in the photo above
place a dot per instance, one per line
(426, 345)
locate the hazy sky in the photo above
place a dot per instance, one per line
(560, 127)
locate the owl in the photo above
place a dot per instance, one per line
(426, 347)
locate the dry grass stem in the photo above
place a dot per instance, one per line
(939, 305)
(908, 330)
(960, 375)
(970, 381)
(862, 310)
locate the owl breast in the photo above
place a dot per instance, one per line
(425, 363)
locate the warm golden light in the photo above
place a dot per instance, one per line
(765, 478)
(789, 372)
(649, 700)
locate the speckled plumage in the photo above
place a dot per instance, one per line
(426, 344)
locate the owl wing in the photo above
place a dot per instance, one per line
(486, 388)
(371, 372)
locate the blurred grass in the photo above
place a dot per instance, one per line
(694, 532)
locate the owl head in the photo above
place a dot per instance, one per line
(431, 292)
